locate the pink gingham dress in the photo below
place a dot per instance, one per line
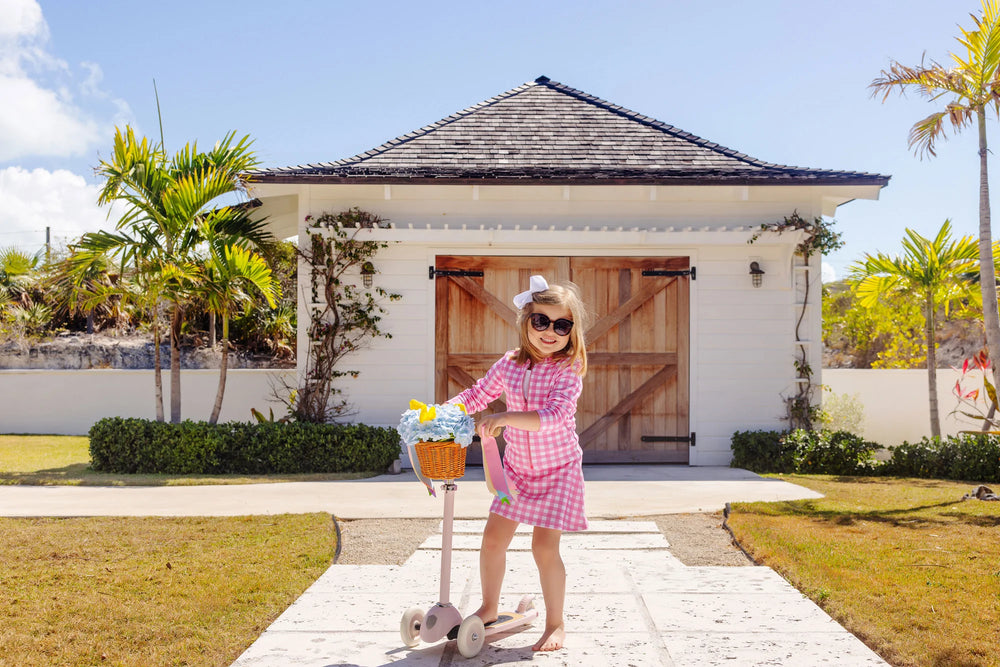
(545, 466)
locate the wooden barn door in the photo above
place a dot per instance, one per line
(634, 405)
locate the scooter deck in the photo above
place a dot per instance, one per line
(510, 619)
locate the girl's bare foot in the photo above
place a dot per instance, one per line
(552, 639)
(486, 615)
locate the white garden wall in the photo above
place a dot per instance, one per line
(70, 401)
(895, 402)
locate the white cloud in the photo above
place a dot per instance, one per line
(20, 18)
(32, 200)
(828, 273)
(36, 121)
(41, 115)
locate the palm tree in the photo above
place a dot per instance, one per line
(970, 88)
(134, 287)
(934, 271)
(18, 274)
(169, 204)
(229, 273)
(75, 288)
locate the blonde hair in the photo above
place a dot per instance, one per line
(564, 294)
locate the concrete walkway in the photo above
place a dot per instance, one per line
(629, 601)
(612, 492)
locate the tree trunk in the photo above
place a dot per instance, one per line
(987, 272)
(90, 321)
(930, 337)
(220, 392)
(988, 422)
(211, 331)
(176, 318)
(157, 364)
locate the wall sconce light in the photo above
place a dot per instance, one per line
(756, 274)
(367, 271)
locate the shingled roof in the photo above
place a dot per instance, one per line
(547, 133)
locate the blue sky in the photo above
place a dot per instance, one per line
(312, 81)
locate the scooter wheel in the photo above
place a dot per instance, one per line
(409, 626)
(471, 636)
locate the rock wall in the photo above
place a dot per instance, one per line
(95, 351)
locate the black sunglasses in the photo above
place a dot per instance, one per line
(541, 322)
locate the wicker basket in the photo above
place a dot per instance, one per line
(441, 460)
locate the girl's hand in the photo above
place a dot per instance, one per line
(491, 425)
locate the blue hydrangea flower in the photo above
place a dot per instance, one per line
(449, 423)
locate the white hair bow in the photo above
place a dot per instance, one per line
(537, 284)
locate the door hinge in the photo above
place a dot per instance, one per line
(433, 273)
(686, 272)
(669, 438)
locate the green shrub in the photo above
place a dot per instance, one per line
(121, 445)
(762, 451)
(822, 452)
(832, 452)
(968, 456)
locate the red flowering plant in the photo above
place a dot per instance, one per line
(982, 399)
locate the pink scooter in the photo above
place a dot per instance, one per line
(443, 619)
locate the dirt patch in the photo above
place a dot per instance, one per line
(382, 541)
(695, 539)
(699, 539)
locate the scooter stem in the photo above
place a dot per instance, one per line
(446, 532)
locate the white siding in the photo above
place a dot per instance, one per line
(742, 348)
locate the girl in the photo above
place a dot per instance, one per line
(542, 380)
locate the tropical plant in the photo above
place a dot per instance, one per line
(232, 270)
(31, 320)
(979, 403)
(262, 329)
(72, 292)
(844, 412)
(18, 273)
(169, 212)
(934, 272)
(969, 88)
(887, 334)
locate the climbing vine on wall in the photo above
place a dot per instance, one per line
(344, 316)
(801, 411)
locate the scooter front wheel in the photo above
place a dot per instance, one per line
(471, 636)
(409, 626)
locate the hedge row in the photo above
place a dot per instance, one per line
(122, 445)
(966, 457)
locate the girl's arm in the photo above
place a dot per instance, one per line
(486, 390)
(560, 403)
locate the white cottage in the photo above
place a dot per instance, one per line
(651, 222)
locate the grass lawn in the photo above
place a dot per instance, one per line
(65, 459)
(151, 591)
(901, 563)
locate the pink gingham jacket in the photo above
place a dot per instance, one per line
(544, 465)
(553, 389)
